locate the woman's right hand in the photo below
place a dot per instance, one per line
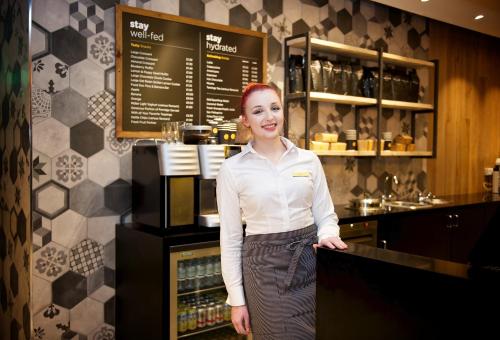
(240, 319)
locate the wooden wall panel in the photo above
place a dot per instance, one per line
(469, 108)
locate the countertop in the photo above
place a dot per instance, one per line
(347, 215)
(371, 293)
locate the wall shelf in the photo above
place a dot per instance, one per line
(346, 153)
(418, 153)
(366, 57)
(405, 61)
(400, 105)
(334, 47)
(341, 99)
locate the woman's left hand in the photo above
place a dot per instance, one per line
(333, 243)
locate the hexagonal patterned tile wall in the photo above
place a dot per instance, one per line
(82, 173)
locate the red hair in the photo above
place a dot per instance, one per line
(251, 88)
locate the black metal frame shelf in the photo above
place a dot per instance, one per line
(307, 43)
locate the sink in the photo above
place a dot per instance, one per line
(407, 205)
(437, 201)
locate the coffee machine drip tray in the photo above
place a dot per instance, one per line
(212, 220)
(209, 220)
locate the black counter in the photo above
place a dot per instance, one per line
(371, 293)
(347, 215)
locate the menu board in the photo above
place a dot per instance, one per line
(170, 68)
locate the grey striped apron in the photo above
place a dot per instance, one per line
(279, 278)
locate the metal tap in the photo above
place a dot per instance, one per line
(387, 196)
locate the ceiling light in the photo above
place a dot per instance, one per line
(478, 17)
(424, 0)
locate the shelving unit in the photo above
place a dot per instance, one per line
(308, 45)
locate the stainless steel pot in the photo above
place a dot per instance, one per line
(365, 203)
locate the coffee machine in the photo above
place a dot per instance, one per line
(164, 184)
(211, 157)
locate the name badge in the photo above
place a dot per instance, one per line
(301, 174)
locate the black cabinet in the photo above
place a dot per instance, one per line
(447, 233)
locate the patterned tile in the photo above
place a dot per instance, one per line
(87, 198)
(41, 296)
(104, 332)
(217, 12)
(110, 255)
(69, 168)
(51, 137)
(68, 45)
(292, 10)
(86, 257)
(101, 108)
(42, 169)
(51, 14)
(87, 138)
(84, 19)
(87, 316)
(109, 80)
(41, 237)
(282, 28)
(103, 294)
(310, 14)
(102, 229)
(51, 199)
(50, 74)
(126, 166)
(118, 196)
(47, 323)
(261, 22)
(101, 50)
(240, 17)
(69, 289)
(118, 146)
(87, 78)
(250, 5)
(40, 42)
(69, 229)
(192, 9)
(170, 7)
(103, 168)
(299, 27)
(69, 101)
(51, 261)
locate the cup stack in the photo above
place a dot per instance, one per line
(350, 137)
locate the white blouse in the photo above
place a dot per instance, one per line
(272, 198)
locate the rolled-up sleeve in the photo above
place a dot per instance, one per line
(323, 212)
(231, 236)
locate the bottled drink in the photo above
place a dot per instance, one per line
(201, 320)
(200, 274)
(217, 272)
(209, 269)
(181, 320)
(219, 313)
(181, 276)
(211, 314)
(190, 275)
(192, 318)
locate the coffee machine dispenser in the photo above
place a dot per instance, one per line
(163, 184)
(211, 158)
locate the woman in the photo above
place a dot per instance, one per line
(270, 274)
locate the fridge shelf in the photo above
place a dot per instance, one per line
(204, 330)
(199, 291)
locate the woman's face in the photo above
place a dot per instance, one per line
(264, 114)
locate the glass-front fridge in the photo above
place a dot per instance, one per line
(197, 294)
